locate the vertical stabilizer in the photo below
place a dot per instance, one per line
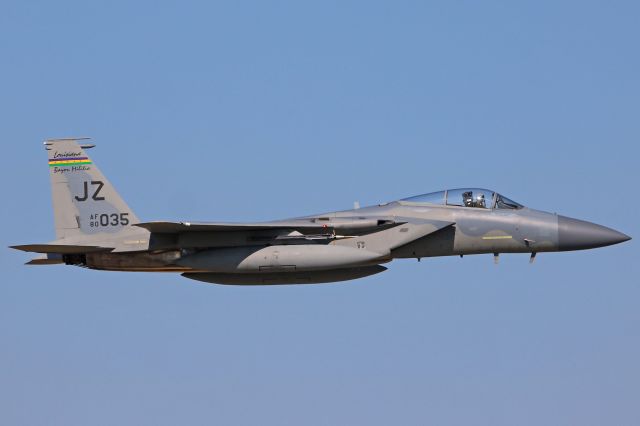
(84, 202)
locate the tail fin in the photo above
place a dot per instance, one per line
(84, 202)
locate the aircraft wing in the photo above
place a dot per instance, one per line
(304, 225)
(380, 234)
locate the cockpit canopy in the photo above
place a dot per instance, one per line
(466, 197)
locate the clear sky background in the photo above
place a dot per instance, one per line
(262, 110)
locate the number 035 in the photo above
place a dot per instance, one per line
(103, 219)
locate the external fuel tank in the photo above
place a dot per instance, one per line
(296, 257)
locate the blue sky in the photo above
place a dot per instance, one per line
(262, 110)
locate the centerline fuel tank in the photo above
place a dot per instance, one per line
(297, 277)
(303, 257)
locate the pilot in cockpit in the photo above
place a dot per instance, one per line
(467, 198)
(480, 201)
(470, 201)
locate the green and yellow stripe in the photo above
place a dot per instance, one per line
(69, 161)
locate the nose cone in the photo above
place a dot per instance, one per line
(574, 234)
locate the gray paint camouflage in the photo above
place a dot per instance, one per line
(95, 228)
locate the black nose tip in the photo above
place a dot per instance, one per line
(574, 234)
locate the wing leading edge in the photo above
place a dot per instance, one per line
(304, 225)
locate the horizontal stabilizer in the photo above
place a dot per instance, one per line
(46, 259)
(60, 248)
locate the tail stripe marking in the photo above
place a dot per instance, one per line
(69, 161)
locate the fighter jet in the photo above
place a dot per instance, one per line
(96, 229)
